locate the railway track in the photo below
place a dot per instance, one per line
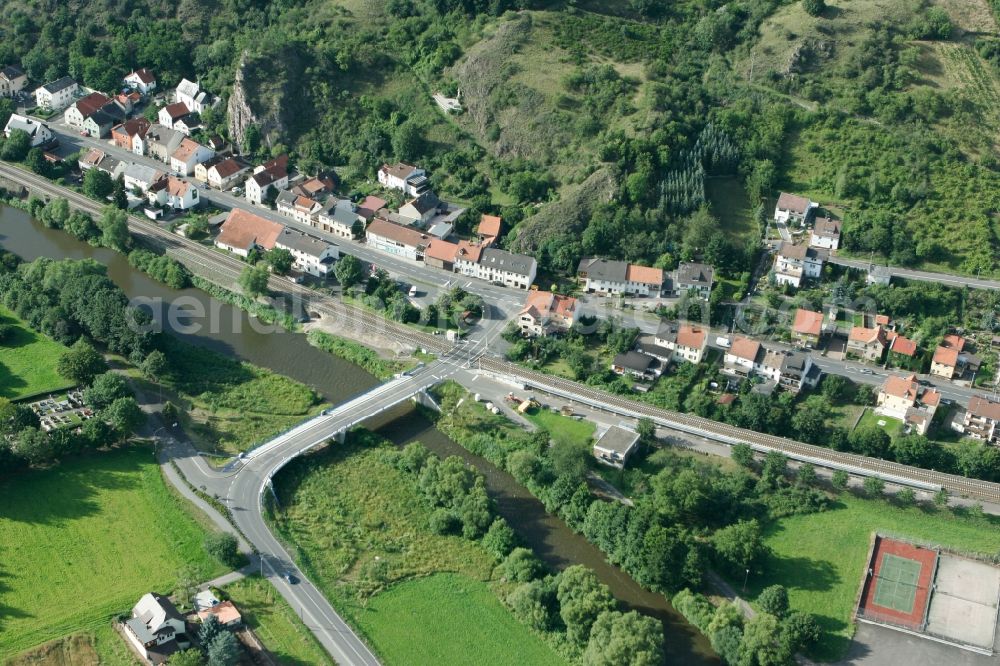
(889, 471)
(194, 254)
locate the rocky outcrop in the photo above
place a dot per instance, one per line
(240, 114)
(259, 96)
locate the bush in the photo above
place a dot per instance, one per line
(695, 608)
(520, 566)
(224, 547)
(500, 539)
(444, 521)
(814, 7)
(774, 600)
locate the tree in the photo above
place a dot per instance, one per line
(408, 141)
(874, 486)
(499, 539)
(870, 440)
(836, 387)
(97, 184)
(742, 455)
(55, 213)
(253, 281)
(224, 547)
(520, 566)
(124, 415)
(81, 363)
(810, 419)
(16, 147)
(799, 630)
(916, 450)
(814, 7)
(118, 194)
(35, 160)
(840, 479)
(774, 600)
(114, 228)
(348, 271)
(762, 645)
(154, 366)
(624, 638)
(806, 475)
(740, 545)
(105, 389)
(534, 602)
(209, 629)
(941, 498)
(646, 430)
(582, 599)
(189, 657)
(34, 446)
(224, 650)
(280, 260)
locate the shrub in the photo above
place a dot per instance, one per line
(224, 547)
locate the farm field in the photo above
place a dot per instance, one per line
(28, 361)
(275, 623)
(359, 528)
(92, 536)
(824, 580)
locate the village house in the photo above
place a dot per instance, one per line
(57, 95)
(467, 258)
(338, 217)
(125, 134)
(411, 180)
(243, 231)
(172, 192)
(868, 344)
(171, 113)
(225, 612)
(271, 174)
(141, 80)
(686, 342)
(161, 142)
(228, 172)
(440, 254)
(790, 370)
(421, 209)
(807, 327)
(301, 209)
(139, 177)
(96, 114)
(904, 399)
(616, 445)
(99, 123)
(904, 348)
(188, 154)
(39, 133)
(794, 263)
(442, 224)
(316, 187)
(12, 80)
(312, 255)
(127, 101)
(190, 94)
(396, 239)
(793, 208)
(636, 364)
(607, 276)
(739, 359)
(692, 278)
(156, 629)
(489, 229)
(825, 233)
(949, 360)
(370, 206)
(545, 313)
(96, 158)
(506, 268)
(981, 420)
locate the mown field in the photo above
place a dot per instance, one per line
(28, 361)
(360, 529)
(820, 557)
(83, 541)
(579, 432)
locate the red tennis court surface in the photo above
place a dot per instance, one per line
(898, 583)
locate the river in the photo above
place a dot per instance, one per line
(232, 332)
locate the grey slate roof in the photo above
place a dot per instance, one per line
(300, 242)
(694, 273)
(634, 360)
(502, 260)
(604, 269)
(59, 84)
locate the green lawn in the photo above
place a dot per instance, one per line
(893, 427)
(28, 361)
(564, 429)
(730, 203)
(275, 623)
(83, 541)
(820, 558)
(449, 619)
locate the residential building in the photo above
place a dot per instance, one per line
(396, 239)
(127, 101)
(242, 231)
(312, 255)
(949, 360)
(271, 174)
(172, 192)
(506, 268)
(98, 159)
(172, 113)
(440, 254)
(467, 258)
(881, 275)
(545, 313)
(156, 629)
(187, 124)
(619, 277)
(225, 612)
(489, 229)
(797, 371)
(39, 133)
(807, 327)
(687, 342)
(187, 155)
(338, 217)
(616, 445)
(788, 369)
(57, 95)
(316, 187)
(793, 208)
(903, 398)
(12, 80)
(982, 418)
(421, 209)
(741, 357)
(100, 123)
(301, 209)
(692, 278)
(125, 134)
(370, 206)
(226, 173)
(193, 97)
(411, 180)
(83, 108)
(868, 344)
(161, 142)
(636, 364)
(905, 347)
(139, 177)
(825, 233)
(794, 263)
(142, 80)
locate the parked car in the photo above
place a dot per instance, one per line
(292, 580)
(723, 342)
(413, 291)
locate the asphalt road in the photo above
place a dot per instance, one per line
(923, 276)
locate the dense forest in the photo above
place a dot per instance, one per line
(594, 127)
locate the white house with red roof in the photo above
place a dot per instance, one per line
(903, 398)
(141, 79)
(172, 192)
(545, 312)
(793, 208)
(242, 231)
(409, 179)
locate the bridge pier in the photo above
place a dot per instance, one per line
(424, 398)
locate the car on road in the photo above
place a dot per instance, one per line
(413, 291)
(866, 371)
(292, 580)
(723, 342)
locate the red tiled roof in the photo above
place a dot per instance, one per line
(947, 356)
(981, 407)
(644, 275)
(546, 303)
(143, 75)
(373, 204)
(489, 225)
(904, 346)
(902, 387)
(243, 229)
(176, 110)
(469, 252)
(807, 322)
(953, 341)
(136, 126)
(868, 335)
(441, 250)
(90, 104)
(793, 202)
(400, 170)
(745, 348)
(692, 337)
(228, 167)
(395, 232)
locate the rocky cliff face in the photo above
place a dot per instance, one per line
(240, 114)
(258, 97)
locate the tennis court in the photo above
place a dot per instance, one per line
(897, 584)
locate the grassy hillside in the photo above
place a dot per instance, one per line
(27, 361)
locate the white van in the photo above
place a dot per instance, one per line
(723, 342)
